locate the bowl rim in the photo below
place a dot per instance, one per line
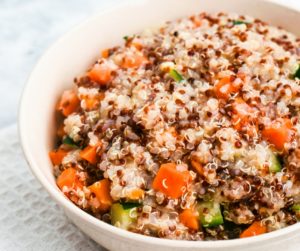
(84, 216)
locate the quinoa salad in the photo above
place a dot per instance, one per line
(189, 131)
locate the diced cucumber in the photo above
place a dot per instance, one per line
(176, 75)
(122, 217)
(238, 22)
(275, 165)
(210, 214)
(296, 207)
(297, 73)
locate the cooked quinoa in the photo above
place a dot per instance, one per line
(190, 131)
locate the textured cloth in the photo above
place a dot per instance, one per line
(29, 219)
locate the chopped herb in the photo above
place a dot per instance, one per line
(238, 22)
(70, 142)
(125, 38)
(297, 73)
(175, 75)
(129, 205)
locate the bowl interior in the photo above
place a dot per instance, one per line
(78, 49)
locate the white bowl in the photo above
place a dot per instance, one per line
(72, 55)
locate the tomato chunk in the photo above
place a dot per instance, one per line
(134, 60)
(69, 179)
(57, 156)
(255, 229)
(100, 73)
(226, 87)
(68, 103)
(171, 181)
(189, 218)
(101, 189)
(89, 153)
(278, 133)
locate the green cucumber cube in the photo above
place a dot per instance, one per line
(210, 214)
(122, 217)
(275, 165)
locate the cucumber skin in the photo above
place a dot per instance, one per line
(296, 207)
(121, 216)
(275, 164)
(176, 75)
(213, 210)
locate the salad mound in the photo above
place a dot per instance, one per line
(189, 131)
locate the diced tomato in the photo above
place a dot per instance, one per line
(100, 73)
(57, 156)
(136, 194)
(226, 87)
(89, 153)
(69, 179)
(278, 133)
(171, 181)
(105, 53)
(101, 189)
(92, 102)
(196, 21)
(189, 218)
(134, 60)
(256, 228)
(68, 103)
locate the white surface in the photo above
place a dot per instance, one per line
(30, 219)
(67, 58)
(27, 29)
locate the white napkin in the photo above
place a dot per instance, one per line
(29, 219)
